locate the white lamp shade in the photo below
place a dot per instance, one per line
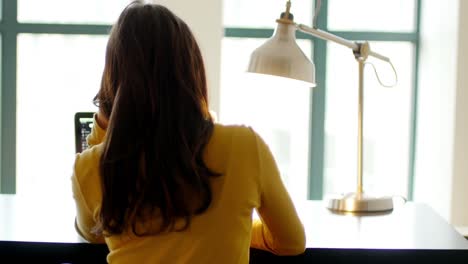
(281, 56)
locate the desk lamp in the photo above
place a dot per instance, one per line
(281, 56)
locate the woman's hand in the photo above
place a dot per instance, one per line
(102, 120)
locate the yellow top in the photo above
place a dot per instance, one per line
(222, 234)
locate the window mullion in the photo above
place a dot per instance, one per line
(78, 29)
(376, 36)
(8, 98)
(414, 106)
(317, 113)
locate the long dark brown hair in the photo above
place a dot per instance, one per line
(154, 92)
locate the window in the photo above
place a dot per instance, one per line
(378, 16)
(58, 75)
(314, 135)
(88, 12)
(54, 57)
(311, 132)
(387, 121)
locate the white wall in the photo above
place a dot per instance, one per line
(459, 213)
(441, 172)
(204, 17)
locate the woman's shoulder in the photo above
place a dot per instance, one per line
(234, 129)
(238, 134)
(237, 138)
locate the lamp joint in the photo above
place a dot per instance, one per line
(286, 17)
(362, 51)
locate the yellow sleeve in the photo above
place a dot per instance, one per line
(279, 229)
(85, 220)
(97, 134)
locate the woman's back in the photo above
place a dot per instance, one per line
(222, 234)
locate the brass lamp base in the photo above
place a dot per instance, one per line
(354, 202)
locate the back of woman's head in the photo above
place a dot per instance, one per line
(154, 93)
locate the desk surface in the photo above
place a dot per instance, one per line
(38, 219)
(409, 226)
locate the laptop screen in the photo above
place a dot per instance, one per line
(83, 126)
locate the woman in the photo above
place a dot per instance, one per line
(160, 182)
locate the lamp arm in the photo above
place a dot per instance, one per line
(328, 36)
(379, 56)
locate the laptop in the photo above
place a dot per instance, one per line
(83, 126)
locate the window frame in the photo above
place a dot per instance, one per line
(318, 95)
